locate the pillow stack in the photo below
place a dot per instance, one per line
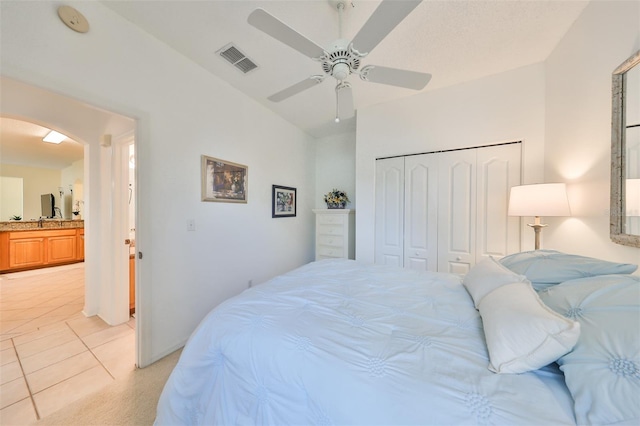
(545, 268)
(521, 332)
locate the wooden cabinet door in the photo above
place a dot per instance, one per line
(80, 244)
(27, 252)
(132, 285)
(62, 249)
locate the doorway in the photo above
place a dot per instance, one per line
(106, 223)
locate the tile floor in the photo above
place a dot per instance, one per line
(50, 353)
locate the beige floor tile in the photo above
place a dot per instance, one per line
(22, 314)
(6, 344)
(10, 371)
(61, 371)
(44, 343)
(8, 355)
(64, 393)
(51, 356)
(38, 323)
(107, 335)
(13, 391)
(41, 332)
(87, 325)
(10, 326)
(18, 414)
(64, 311)
(118, 356)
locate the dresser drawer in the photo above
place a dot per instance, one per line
(330, 230)
(330, 240)
(326, 251)
(335, 234)
(330, 219)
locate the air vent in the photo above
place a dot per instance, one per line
(236, 58)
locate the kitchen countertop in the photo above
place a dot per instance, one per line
(45, 224)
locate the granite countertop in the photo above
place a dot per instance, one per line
(45, 224)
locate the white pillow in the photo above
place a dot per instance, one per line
(521, 332)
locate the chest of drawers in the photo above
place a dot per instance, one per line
(335, 230)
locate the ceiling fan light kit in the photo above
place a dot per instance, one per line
(342, 58)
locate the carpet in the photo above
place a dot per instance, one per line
(128, 401)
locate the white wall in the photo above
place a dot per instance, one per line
(578, 125)
(36, 181)
(560, 109)
(500, 108)
(336, 167)
(182, 112)
(11, 195)
(72, 175)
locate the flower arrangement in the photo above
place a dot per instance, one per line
(336, 199)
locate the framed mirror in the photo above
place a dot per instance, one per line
(625, 153)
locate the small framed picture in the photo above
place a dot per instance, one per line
(283, 201)
(223, 181)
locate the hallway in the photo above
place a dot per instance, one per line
(50, 353)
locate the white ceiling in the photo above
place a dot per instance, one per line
(22, 145)
(454, 40)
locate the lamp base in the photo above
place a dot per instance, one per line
(537, 228)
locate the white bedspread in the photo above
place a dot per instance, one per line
(340, 342)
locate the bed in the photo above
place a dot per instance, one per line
(515, 341)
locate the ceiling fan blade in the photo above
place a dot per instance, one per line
(277, 29)
(344, 101)
(395, 77)
(296, 88)
(383, 20)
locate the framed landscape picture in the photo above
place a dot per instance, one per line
(283, 201)
(223, 181)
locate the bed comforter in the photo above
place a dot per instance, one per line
(339, 342)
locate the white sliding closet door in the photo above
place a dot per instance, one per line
(421, 212)
(389, 220)
(446, 211)
(456, 211)
(498, 170)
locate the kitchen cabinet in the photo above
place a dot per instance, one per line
(38, 248)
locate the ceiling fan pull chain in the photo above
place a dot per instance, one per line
(340, 10)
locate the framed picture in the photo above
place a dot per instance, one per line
(283, 201)
(223, 181)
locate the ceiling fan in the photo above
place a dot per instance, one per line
(342, 57)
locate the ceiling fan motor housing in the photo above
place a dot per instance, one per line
(340, 60)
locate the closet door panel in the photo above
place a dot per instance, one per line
(421, 213)
(389, 221)
(456, 211)
(498, 170)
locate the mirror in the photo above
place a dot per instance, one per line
(625, 153)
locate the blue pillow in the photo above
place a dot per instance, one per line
(548, 267)
(602, 371)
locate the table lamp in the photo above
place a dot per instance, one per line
(544, 199)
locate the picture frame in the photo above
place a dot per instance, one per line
(224, 181)
(284, 201)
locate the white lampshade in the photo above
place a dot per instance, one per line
(632, 197)
(545, 199)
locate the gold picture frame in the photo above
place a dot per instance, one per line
(223, 181)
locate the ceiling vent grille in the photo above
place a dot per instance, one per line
(235, 57)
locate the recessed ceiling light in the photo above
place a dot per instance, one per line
(54, 137)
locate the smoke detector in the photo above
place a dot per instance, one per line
(73, 19)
